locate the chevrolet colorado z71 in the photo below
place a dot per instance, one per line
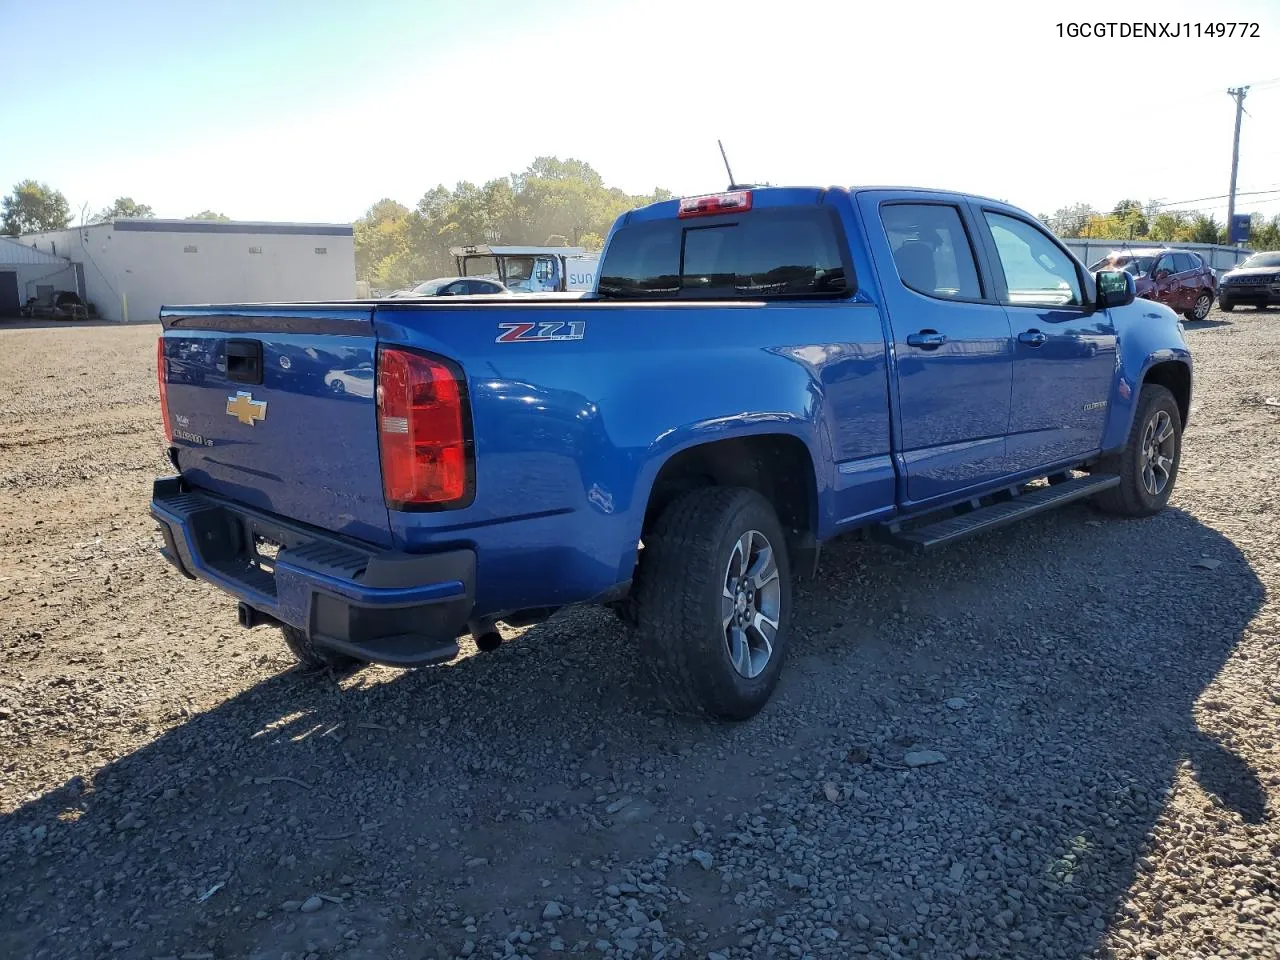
(756, 372)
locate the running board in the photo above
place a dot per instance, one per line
(996, 515)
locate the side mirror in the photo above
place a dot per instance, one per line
(1115, 288)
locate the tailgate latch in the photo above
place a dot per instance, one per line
(244, 361)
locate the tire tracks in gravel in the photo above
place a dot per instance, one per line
(1106, 709)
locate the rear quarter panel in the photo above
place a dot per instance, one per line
(570, 434)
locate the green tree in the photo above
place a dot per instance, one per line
(381, 236)
(1069, 221)
(1264, 234)
(1203, 229)
(123, 207)
(1168, 226)
(209, 215)
(33, 207)
(551, 202)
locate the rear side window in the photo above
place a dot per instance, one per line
(931, 250)
(1185, 261)
(761, 254)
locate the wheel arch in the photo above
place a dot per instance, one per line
(1174, 376)
(777, 465)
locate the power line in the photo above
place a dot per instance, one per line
(1164, 204)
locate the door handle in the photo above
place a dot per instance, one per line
(927, 339)
(1033, 338)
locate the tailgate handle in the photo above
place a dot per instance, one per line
(244, 361)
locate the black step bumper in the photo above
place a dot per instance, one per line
(386, 607)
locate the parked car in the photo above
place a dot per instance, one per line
(756, 372)
(1255, 281)
(357, 381)
(1179, 279)
(455, 287)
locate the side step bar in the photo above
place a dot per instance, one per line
(996, 515)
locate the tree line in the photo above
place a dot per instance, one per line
(553, 202)
(34, 207)
(1134, 220)
(565, 202)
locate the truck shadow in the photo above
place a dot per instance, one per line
(462, 789)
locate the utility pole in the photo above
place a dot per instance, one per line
(1239, 94)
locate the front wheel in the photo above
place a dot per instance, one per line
(1226, 306)
(1148, 464)
(712, 598)
(1200, 309)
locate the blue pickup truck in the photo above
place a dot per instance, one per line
(756, 372)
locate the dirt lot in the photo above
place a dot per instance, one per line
(1106, 711)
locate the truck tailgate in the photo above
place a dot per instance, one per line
(275, 408)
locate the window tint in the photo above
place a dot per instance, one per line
(761, 254)
(931, 249)
(1165, 263)
(1184, 262)
(1036, 270)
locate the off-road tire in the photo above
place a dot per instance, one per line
(678, 592)
(1131, 498)
(312, 657)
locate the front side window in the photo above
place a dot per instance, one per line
(760, 254)
(1165, 266)
(931, 250)
(1036, 270)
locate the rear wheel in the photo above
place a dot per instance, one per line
(313, 657)
(1148, 464)
(712, 598)
(1200, 309)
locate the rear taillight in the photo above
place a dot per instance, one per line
(162, 378)
(736, 202)
(422, 431)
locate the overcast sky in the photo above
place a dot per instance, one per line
(293, 110)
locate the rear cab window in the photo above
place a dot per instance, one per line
(762, 254)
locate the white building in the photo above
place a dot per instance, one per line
(129, 268)
(26, 272)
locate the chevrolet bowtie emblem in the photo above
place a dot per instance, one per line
(246, 409)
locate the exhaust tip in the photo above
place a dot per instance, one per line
(485, 632)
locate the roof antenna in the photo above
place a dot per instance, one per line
(733, 185)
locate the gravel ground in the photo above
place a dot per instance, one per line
(1056, 741)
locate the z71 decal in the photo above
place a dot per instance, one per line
(525, 332)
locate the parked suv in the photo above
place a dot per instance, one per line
(1256, 281)
(1177, 278)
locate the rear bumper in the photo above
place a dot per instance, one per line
(395, 608)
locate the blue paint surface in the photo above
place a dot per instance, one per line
(569, 435)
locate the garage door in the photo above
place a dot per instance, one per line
(9, 294)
